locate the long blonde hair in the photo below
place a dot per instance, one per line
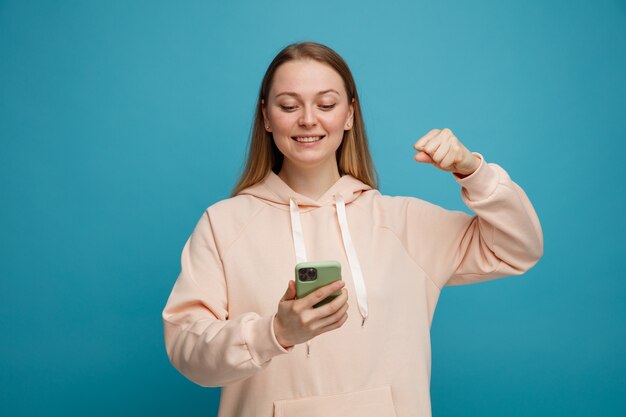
(353, 155)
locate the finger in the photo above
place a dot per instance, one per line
(431, 147)
(423, 157)
(290, 294)
(321, 293)
(333, 318)
(444, 136)
(310, 316)
(450, 159)
(445, 132)
(419, 145)
(441, 152)
(333, 306)
(334, 326)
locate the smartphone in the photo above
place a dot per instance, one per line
(312, 275)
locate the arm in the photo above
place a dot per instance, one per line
(202, 341)
(503, 238)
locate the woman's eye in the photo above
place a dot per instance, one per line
(324, 107)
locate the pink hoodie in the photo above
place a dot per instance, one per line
(396, 254)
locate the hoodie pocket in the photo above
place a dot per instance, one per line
(376, 402)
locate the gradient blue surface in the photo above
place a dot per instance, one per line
(120, 122)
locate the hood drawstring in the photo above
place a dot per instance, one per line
(296, 232)
(353, 260)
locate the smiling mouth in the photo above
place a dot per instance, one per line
(308, 139)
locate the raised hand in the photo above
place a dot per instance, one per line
(297, 321)
(442, 149)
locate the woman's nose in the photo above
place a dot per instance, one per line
(308, 117)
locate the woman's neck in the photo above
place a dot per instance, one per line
(311, 182)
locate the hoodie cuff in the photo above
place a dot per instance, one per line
(480, 184)
(261, 340)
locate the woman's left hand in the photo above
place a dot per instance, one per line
(442, 149)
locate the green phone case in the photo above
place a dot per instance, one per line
(327, 272)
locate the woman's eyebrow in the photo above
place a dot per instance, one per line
(291, 93)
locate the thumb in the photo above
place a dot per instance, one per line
(423, 157)
(290, 294)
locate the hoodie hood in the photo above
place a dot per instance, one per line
(347, 189)
(273, 190)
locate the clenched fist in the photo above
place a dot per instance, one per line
(442, 149)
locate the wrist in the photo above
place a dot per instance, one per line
(475, 165)
(277, 334)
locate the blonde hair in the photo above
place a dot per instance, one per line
(353, 155)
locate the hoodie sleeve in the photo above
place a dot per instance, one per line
(503, 238)
(202, 341)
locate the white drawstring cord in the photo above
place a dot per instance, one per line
(353, 260)
(298, 244)
(296, 232)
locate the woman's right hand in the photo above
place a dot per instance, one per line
(297, 321)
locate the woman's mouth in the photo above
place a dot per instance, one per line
(307, 139)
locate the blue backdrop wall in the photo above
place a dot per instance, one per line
(121, 121)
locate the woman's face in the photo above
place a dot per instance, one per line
(307, 112)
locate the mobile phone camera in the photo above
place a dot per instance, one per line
(307, 274)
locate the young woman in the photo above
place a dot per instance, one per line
(308, 192)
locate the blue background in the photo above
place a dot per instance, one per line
(121, 121)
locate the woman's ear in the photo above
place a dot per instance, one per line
(350, 118)
(265, 118)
